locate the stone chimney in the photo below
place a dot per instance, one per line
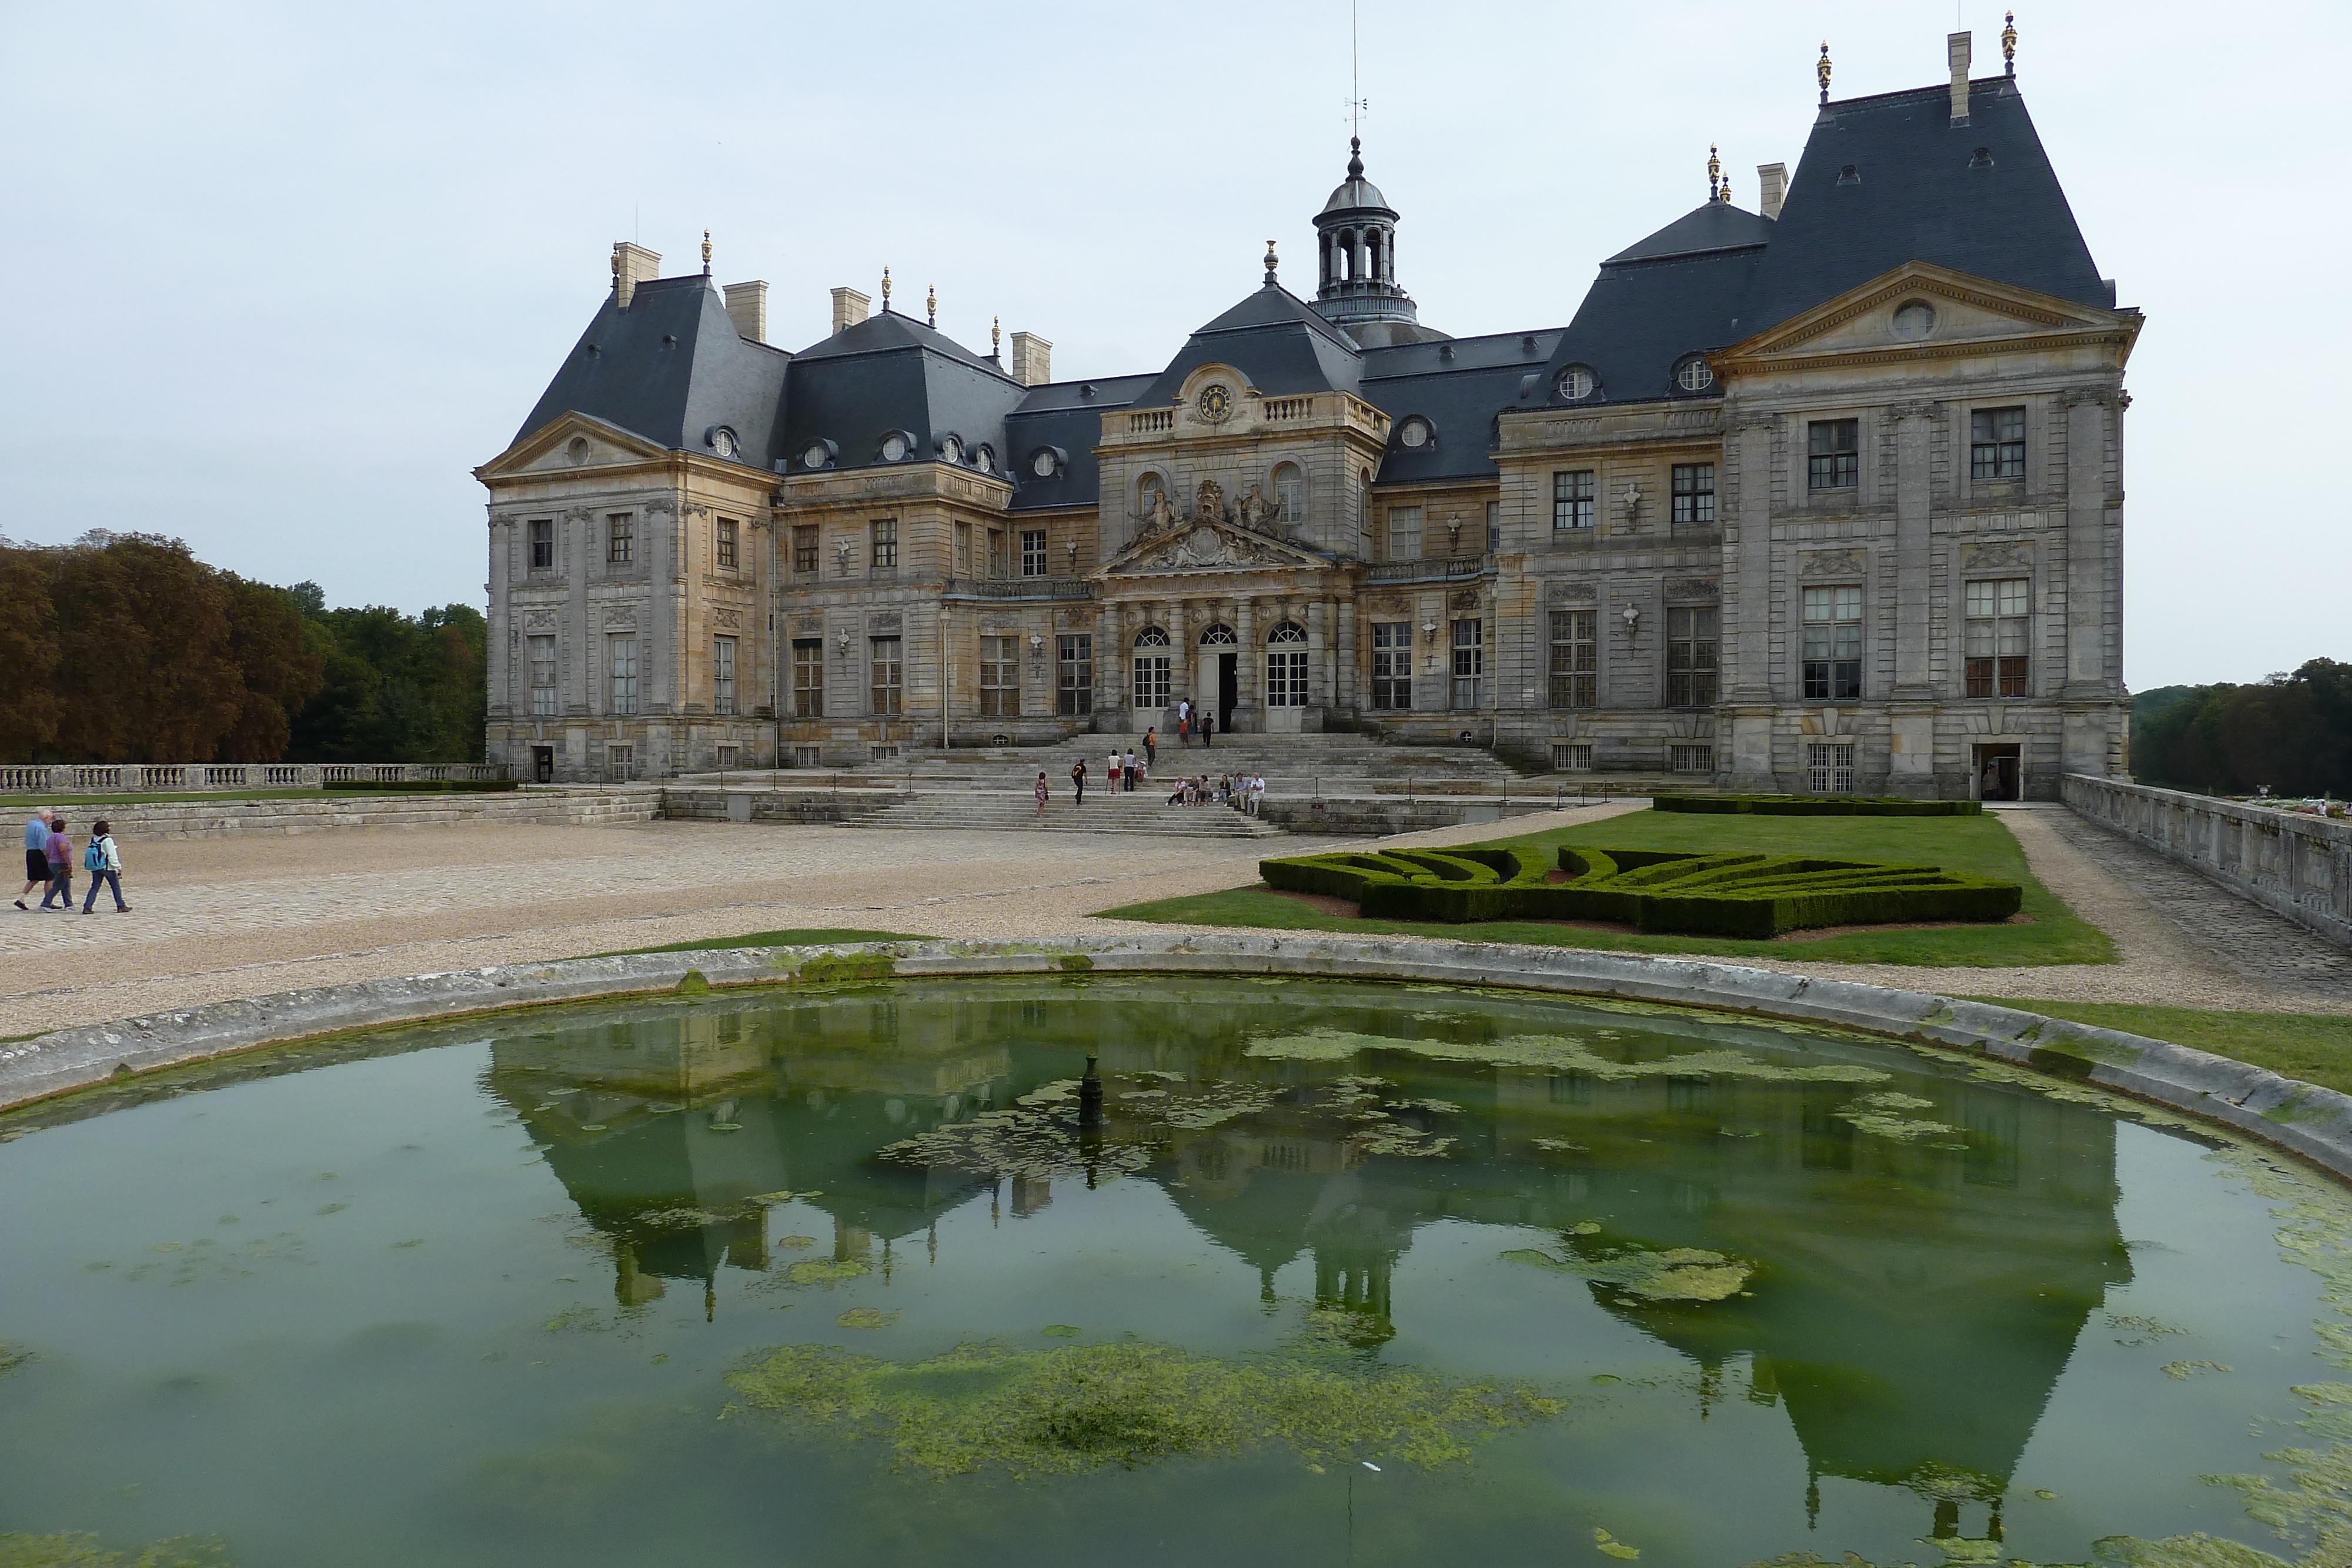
(1033, 360)
(632, 263)
(848, 307)
(1771, 188)
(1957, 46)
(747, 307)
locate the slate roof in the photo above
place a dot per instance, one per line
(670, 368)
(891, 373)
(1067, 417)
(1918, 195)
(1459, 385)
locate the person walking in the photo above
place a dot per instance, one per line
(103, 861)
(1042, 792)
(1130, 770)
(1078, 780)
(1110, 772)
(58, 854)
(1184, 722)
(37, 856)
(1208, 730)
(1150, 748)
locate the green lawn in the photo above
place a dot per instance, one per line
(810, 938)
(1977, 845)
(2313, 1047)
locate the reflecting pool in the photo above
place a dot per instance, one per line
(1347, 1273)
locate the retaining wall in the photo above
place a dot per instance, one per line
(712, 804)
(2300, 866)
(2312, 1121)
(201, 818)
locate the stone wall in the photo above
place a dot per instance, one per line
(200, 818)
(2300, 866)
(713, 804)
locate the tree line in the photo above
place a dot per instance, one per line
(126, 648)
(2291, 734)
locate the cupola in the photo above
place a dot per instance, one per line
(1356, 288)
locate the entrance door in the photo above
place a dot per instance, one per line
(1999, 773)
(1229, 690)
(542, 764)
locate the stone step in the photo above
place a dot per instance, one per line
(1103, 813)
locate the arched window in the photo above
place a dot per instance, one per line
(1151, 668)
(1289, 493)
(1148, 490)
(1220, 636)
(1286, 666)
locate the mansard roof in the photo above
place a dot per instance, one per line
(890, 372)
(1458, 386)
(1066, 417)
(1642, 317)
(1709, 226)
(1276, 339)
(1919, 190)
(671, 368)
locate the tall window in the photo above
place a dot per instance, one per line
(886, 661)
(1404, 533)
(1033, 552)
(1575, 658)
(884, 533)
(1289, 493)
(1832, 643)
(620, 539)
(1997, 664)
(1694, 493)
(1494, 526)
(808, 677)
(1393, 665)
(729, 538)
(1469, 662)
(1829, 769)
(621, 659)
(1000, 678)
(1151, 668)
(542, 676)
(722, 675)
(963, 549)
(1832, 454)
(1076, 695)
(1690, 655)
(542, 544)
(1996, 444)
(997, 565)
(1286, 666)
(1572, 498)
(805, 543)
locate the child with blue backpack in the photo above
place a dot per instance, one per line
(103, 861)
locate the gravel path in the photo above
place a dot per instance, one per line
(213, 922)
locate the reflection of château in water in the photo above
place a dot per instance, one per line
(1912, 1307)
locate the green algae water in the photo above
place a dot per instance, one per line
(1347, 1274)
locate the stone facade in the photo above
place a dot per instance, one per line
(1750, 518)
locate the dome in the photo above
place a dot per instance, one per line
(1355, 191)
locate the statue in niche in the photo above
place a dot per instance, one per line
(1209, 503)
(1254, 512)
(1159, 513)
(1453, 534)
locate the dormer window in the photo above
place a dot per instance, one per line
(1694, 374)
(895, 448)
(723, 442)
(818, 453)
(1044, 462)
(1415, 433)
(1576, 383)
(1849, 175)
(950, 449)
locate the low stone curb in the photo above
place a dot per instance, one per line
(2312, 1121)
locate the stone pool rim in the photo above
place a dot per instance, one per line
(2304, 1119)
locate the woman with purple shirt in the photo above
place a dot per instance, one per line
(60, 861)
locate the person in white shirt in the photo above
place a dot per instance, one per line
(1131, 771)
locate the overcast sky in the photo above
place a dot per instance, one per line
(282, 276)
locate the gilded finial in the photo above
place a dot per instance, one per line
(1724, 192)
(995, 336)
(1821, 71)
(931, 305)
(1271, 263)
(1714, 169)
(885, 291)
(705, 252)
(2009, 43)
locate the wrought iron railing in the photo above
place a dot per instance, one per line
(1435, 569)
(1033, 588)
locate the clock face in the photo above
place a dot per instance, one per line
(1042, 465)
(1217, 403)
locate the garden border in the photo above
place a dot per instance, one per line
(2310, 1121)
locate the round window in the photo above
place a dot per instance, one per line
(1413, 432)
(1575, 383)
(1042, 465)
(1915, 321)
(722, 441)
(894, 447)
(815, 456)
(1695, 375)
(952, 450)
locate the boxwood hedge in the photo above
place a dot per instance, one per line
(1744, 895)
(1816, 806)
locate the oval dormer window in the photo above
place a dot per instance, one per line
(950, 449)
(1694, 375)
(816, 456)
(1042, 463)
(1415, 432)
(983, 457)
(723, 442)
(1576, 383)
(1915, 321)
(894, 449)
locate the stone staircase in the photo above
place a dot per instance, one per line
(1141, 813)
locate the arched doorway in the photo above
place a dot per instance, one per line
(1220, 667)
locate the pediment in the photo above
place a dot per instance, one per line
(569, 442)
(1879, 317)
(1208, 546)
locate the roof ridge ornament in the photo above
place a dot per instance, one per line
(705, 252)
(1821, 71)
(931, 305)
(1714, 169)
(995, 337)
(2008, 43)
(1354, 157)
(1271, 263)
(885, 291)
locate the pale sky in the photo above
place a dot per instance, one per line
(284, 275)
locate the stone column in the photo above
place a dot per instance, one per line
(582, 657)
(1748, 678)
(1345, 695)
(1249, 666)
(1111, 654)
(2086, 576)
(1319, 653)
(501, 674)
(1915, 437)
